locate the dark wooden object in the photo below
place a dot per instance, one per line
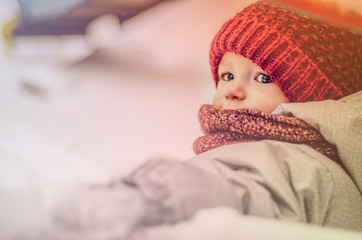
(76, 21)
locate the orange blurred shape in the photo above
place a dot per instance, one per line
(335, 12)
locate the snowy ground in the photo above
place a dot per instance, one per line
(84, 109)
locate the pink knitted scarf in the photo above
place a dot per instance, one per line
(246, 125)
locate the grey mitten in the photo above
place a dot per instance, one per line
(175, 191)
(158, 192)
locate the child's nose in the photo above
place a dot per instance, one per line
(235, 91)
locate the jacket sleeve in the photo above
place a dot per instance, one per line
(269, 179)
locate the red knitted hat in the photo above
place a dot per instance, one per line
(308, 58)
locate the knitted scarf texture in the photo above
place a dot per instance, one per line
(246, 125)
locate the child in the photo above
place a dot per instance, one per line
(252, 160)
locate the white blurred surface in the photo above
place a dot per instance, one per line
(85, 109)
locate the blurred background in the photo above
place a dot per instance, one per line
(89, 89)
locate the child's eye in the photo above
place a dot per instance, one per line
(263, 78)
(227, 76)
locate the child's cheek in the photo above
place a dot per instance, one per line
(217, 100)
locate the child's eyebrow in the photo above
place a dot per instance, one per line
(224, 67)
(226, 64)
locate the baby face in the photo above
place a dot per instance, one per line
(243, 84)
